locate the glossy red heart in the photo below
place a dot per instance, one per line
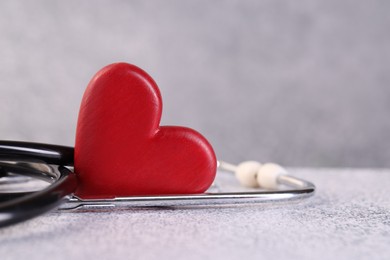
(122, 151)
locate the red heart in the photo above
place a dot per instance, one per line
(120, 148)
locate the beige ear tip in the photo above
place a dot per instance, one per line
(267, 175)
(246, 173)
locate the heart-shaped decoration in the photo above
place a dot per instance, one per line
(122, 151)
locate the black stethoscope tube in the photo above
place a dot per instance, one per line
(50, 154)
(16, 207)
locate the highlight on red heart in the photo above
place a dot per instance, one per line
(121, 150)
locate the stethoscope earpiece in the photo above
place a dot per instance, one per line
(253, 174)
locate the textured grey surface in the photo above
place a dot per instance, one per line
(297, 82)
(349, 218)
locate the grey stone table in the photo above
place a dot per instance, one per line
(348, 218)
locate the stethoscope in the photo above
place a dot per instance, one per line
(23, 162)
(133, 93)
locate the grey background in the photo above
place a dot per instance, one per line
(302, 83)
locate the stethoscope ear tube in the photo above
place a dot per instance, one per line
(18, 207)
(28, 205)
(16, 158)
(47, 153)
